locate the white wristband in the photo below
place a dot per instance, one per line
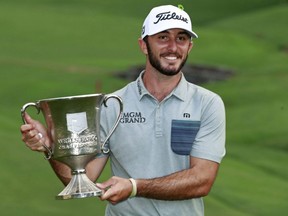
(134, 187)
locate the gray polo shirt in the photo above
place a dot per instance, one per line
(155, 139)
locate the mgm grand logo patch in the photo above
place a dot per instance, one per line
(132, 117)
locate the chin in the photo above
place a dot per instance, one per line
(168, 72)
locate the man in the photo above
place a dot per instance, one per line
(166, 151)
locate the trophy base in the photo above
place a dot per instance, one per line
(79, 195)
(80, 186)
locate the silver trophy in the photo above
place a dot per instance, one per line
(73, 125)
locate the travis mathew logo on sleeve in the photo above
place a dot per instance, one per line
(168, 16)
(132, 117)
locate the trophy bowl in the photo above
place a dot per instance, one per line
(73, 125)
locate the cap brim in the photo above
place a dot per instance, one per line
(192, 34)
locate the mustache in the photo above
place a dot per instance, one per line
(171, 54)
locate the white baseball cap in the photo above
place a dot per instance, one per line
(166, 17)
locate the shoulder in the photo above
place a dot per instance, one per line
(128, 94)
(204, 95)
(129, 88)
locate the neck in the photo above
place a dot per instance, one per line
(160, 85)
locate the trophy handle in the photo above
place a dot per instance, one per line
(103, 149)
(23, 110)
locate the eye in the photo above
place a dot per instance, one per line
(163, 37)
(182, 38)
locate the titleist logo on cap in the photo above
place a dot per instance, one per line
(168, 16)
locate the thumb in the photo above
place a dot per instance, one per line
(27, 118)
(104, 185)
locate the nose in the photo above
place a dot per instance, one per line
(172, 45)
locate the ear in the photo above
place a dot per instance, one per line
(190, 46)
(142, 46)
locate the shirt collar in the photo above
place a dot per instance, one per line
(141, 90)
(180, 91)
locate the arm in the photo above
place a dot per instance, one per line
(186, 184)
(191, 183)
(34, 141)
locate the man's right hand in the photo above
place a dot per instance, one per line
(35, 135)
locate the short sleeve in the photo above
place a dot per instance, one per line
(210, 140)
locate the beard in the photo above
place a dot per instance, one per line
(157, 64)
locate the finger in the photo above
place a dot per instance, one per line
(31, 136)
(37, 146)
(105, 185)
(41, 148)
(30, 121)
(28, 118)
(108, 194)
(34, 124)
(26, 128)
(32, 139)
(101, 186)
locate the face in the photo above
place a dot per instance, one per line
(168, 51)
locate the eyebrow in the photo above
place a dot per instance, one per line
(185, 33)
(179, 33)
